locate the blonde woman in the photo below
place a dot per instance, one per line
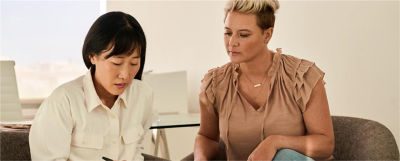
(263, 104)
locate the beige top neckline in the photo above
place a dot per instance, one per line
(271, 71)
(292, 80)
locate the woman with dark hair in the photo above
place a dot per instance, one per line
(105, 113)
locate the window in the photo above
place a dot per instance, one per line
(45, 40)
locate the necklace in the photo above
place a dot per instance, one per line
(254, 99)
(255, 85)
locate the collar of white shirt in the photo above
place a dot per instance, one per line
(92, 99)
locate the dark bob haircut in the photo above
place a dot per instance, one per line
(117, 31)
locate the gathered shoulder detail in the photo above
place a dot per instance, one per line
(212, 80)
(290, 65)
(305, 79)
(208, 85)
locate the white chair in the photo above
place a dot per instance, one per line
(170, 91)
(10, 105)
(170, 98)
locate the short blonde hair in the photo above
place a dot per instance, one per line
(264, 10)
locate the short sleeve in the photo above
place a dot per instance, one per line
(306, 77)
(207, 92)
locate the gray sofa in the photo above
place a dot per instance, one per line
(361, 139)
(15, 146)
(355, 139)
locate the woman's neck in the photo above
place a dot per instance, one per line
(258, 66)
(106, 98)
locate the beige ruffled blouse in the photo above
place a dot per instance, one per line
(241, 126)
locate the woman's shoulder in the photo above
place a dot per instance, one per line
(295, 67)
(140, 94)
(71, 88)
(303, 76)
(60, 98)
(218, 74)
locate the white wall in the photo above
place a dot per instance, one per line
(355, 42)
(181, 35)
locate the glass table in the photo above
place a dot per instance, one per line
(164, 121)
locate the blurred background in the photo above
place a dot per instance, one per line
(357, 44)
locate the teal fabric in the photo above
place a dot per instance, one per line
(290, 155)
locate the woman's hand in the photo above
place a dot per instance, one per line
(266, 150)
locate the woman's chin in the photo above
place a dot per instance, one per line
(117, 91)
(235, 60)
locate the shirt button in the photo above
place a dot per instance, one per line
(113, 116)
(83, 142)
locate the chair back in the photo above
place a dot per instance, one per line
(362, 139)
(170, 91)
(10, 105)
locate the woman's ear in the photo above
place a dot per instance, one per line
(268, 34)
(92, 58)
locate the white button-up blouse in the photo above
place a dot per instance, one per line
(73, 123)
